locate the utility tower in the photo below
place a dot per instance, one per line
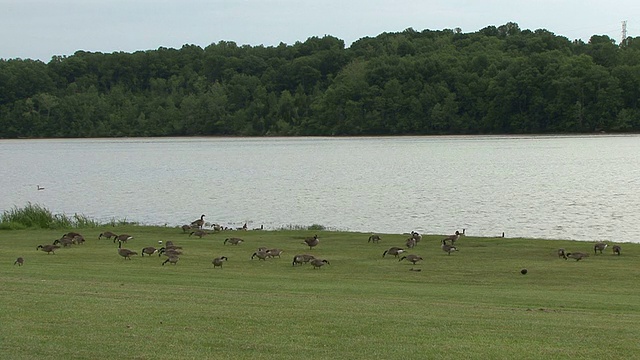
(624, 32)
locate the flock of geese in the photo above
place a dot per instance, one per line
(598, 247)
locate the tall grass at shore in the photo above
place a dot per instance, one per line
(87, 302)
(35, 216)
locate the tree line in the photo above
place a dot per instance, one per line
(498, 80)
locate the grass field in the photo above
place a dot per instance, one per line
(87, 302)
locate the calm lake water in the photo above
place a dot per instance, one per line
(575, 187)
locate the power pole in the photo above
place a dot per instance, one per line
(624, 32)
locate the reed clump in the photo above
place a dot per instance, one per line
(35, 216)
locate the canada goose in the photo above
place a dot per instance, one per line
(374, 238)
(395, 251)
(149, 250)
(186, 228)
(453, 238)
(412, 258)
(107, 234)
(616, 249)
(261, 255)
(301, 259)
(78, 239)
(577, 255)
(274, 252)
(562, 254)
(198, 233)
(125, 253)
(72, 234)
(411, 243)
(233, 241)
(317, 263)
(219, 261)
(49, 249)
(198, 223)
(171, 259)
(122, 238)
(263, 248)
(40, 187)
(216, 227)
(312, 242)
(447, 248)
(416, 236)
(64, 241)
(599, 246)
(169, 252)
(19, 261)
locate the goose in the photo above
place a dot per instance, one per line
(149, 250)
(122, 238)
(64, 241)
(219, 261)
(577, 255)
(72, 234)
(78, 239)
(312, 242)
(412, 258)
(616, 249)
(599, 246)
(374, 238)
(233, 241)
(263, 248)
(186, 228)
(49, 249)
(125, 253)
(411, 243)
(169, 252)
(416, 236)
(198, 223)
(107, 234)
(261, 255)
(395, 251)
(19, 261)
(453, 238)
(275, 252)
(447, 248)
(40, 187)
(562, 254)
(301, 259)
(198, 233)
(317, 263)
(171, 259)
(216, 227)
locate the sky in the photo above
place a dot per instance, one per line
(40, 29)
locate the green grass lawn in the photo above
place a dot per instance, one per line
(87, 302)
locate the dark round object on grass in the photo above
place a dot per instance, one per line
(523, 271)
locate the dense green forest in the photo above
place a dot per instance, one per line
(498, 80)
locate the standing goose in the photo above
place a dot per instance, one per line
(171, 259)
(577, 255)
(122, 238)
(416, 236)
(261, 255)
(411, 243)
(395, 251)
(412, 258)
(599, 246)
(49, 249)
(106, 234)
(19, 261)
(125, 253)
(312, 242)
(374, 238)
(447, 248)
(198, 223)
(453, 238)
(219, 261)
(616, 249)
(149, 250)
(562, 254)
(317, 263)
(198, 233)
(233, 241)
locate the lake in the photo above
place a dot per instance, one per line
(557, 187)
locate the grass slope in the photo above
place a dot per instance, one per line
(87, 302)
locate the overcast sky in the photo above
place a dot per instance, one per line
(40, 29)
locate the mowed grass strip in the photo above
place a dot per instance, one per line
(87, 302)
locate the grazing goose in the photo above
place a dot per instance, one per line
(616, 249)
(171, 259)
(64, 241)
(453, 238)
(599, 246)
(395, 251)
(49, 249)
(374, 238)
(562, 254)
(412, 258)
(72, 234)
(216, 227)
(275, 252)
(262, 255)
(169, 252)
(149, 250)
(219, 261)
(122, 238)
(198, 233)
(125, 253)
(312, 242)
(19, 261)
(447, 248)
(186, 228)
(198, 223)
(233, 241)
(302, 258)
(411, 243)
(106, 234)
(78, 239)
(577, 255)
(317, 263)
